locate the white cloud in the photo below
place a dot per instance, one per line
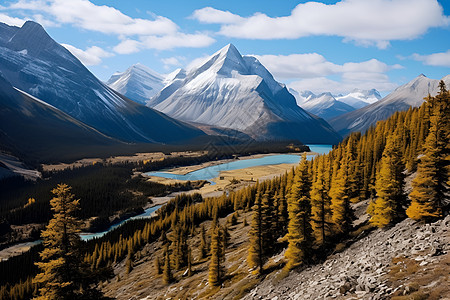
(315, 65)
(128, 47)
(311, 71)
(135, 33)
(374, 22)
(89, 57)
(173, 61)
(324, 84)
(211, 15)
(441, 59)
(11, 21)
(101, 18)
(178, 39)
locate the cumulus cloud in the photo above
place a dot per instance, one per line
(173, 61)
(324, 84)
(136, 33)
(89, 57)
(211, 15)
(311, 71)
(11, 21)
(315, 65)
(374, 22)
(128, 47)
(441, 59)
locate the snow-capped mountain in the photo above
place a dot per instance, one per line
(34, 63)
(237, 92)
(32, 128)
(138, 82)
(360, 98)
(328, 106)
(409, 94)
(324, 105)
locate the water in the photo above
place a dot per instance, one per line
(211, 172)
(146, 214)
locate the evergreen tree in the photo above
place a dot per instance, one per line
(299, 233)
(63, 273)
(255, 256)
(216, 269)
(320, 204)
(189, 264)
(430, 186)
(203, 244)
(158, 266)
(340, 193)
(388, 207)
(167, 271)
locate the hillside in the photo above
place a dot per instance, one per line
(408, 259)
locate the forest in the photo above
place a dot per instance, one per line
(306, 211)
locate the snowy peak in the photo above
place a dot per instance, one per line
(223, 62)
(409, 94)
(138, 82)
(359, 98)
(324, 105)
(232, 91)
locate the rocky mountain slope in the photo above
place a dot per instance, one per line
(410, 259)
(233, 91)
(31, 127)
(138, 82)
(409, 94)
(34, 63)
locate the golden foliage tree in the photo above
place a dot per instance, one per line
(63, 274)
(388, 207)
(299, 233)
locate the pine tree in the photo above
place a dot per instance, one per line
(431, 183)
(299, 233)
(167, 271)
(158, 266)
(63, 273)
(388, 207)
(189, 263)
(340, 191)
(255, 256)
(320, 204)
(203, 244)
(216, 269)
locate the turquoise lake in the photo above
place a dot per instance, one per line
(211, 172)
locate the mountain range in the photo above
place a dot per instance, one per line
(328, 106)
(237, 92)
(35, 64)
(409, 94)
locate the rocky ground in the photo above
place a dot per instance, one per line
(408, 261)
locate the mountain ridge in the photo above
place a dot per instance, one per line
(237, 92)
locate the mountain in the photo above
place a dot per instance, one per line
(138, 83)
(34, 63)
(29, 126)
(360, 98)
(324, 105)
(410, 94)
(233, 91)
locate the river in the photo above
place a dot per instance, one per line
(211, 172)
(207, 173)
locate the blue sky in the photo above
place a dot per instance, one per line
(321, 46)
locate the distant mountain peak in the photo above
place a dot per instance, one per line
(138, 82)
(237, 92)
